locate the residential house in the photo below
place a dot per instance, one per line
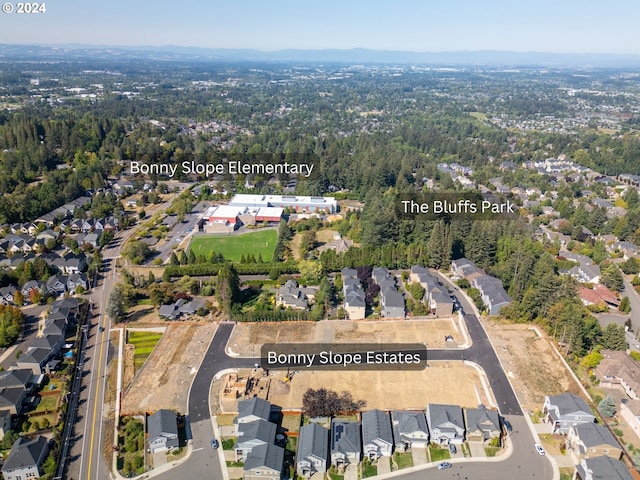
(440, 303)
(35, 359)
(565, 411)
(446, 423)
(630, 412)
(57, 285)
(377, 434)
(391, 300)
(5, 422)
(619, 370)
(77, 280)
(601, 468)
(313, 450)
(482, 424)
(590, 440)
(292, 296)
(354, 296)
(163, 431)
(253, 409)
(11, 399)
(464, 268)
(7, 294)
(264, 463)
(253, 434)
(492, 293)
(409, 430)
(345, 443)
(26, 458)
(181, 307)
(32, 285)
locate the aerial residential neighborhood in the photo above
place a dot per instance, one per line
(329, 242)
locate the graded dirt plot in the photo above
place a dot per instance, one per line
(530, 362)
(247, 338)
(165, 378)
(442, 382)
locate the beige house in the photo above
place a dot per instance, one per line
(590, 440)
(619, 370)
(630, 412)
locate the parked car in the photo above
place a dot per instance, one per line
(539, 449)
(452, 448)
(214, 443)
(508, 426)
(443, 465)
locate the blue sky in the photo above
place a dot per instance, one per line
(564, 26)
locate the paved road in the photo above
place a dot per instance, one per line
(523, 463)
(204, 463)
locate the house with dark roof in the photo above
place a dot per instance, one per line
(391, 300)
(377, 434)
(32, 285)
(465, 268)
(482, 424)
(26, 458)
(57, 285)
(565, 411)
(492, 293)
(163, 431)
(253, 434)
(313, 450)
(5, 422)
(293, 296)
(409, 430)
(11, 399)
(354, 296)
(253, 409)
(590, 440)
(181, 307)
(264, 463)
(446, 423)
(346, 443)
(35, 359)
(601, 468)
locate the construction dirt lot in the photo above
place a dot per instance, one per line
(165, 378)
(247, 338)
(530, 362)
(442, 382)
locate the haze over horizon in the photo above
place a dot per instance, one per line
(571, 26)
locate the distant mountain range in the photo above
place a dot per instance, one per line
(349, 56)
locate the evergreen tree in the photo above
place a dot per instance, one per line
(613, 337)
(607, 407)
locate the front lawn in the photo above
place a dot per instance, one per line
(403, 460)
(438, 454)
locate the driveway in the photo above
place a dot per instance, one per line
(419, 456)
(477, 450)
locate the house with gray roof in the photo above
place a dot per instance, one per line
(252, 434)
(313, 450)
(253, 409)
(565, 411)
(391, 300)
(26, 458)
(293, 296)
(492, 292)
(163, 431)
(601, 468)
(264, 463)
(377, 434)
(11, 399)
(35, 358)
(32, 285)
(5, 422)
(446, 423)
(354, 296)
(482, 424)
(346, 445)
(465, 268)
(590, 440)
(409, 430)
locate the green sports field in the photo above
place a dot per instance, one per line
(234, 246)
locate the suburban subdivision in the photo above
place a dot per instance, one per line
(330, 270)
